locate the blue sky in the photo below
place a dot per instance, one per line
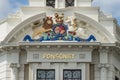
(10, 6)
(107, 6)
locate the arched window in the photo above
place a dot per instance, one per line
(50, 3)
(69, 3)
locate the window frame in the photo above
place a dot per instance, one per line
(50, 4)
(46, 70)
(71, 4)
(72, 74)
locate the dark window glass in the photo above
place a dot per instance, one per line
(116, 78)
(69, 3)
(50, 3)
(47, 74)
(71, 74)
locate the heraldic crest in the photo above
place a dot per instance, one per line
(57, 28)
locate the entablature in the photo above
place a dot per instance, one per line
(59, 46)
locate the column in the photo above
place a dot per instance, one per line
(103, 63)
(14, 71)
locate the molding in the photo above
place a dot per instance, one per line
(58, 45)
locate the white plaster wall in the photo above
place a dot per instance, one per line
(109, 25)
(88, 11)
(11, 23)
(13, 57)
(7, 26)
(37, 3)
(83, 3)
(3, 32)
(4, 67)
(114, 61)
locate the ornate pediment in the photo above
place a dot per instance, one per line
(59, 28)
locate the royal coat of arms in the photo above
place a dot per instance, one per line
(57, 28)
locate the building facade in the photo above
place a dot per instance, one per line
(59, 40)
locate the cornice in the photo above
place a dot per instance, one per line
(63, 46)
(50, 45)
(47, 45)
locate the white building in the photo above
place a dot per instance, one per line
(59, 40)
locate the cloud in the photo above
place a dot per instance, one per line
(9, 7)
(109, 7)
(5, 7)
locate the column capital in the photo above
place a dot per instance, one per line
(103, 65)
(104, 49)
(14, 65)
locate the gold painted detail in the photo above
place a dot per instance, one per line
(58, 56)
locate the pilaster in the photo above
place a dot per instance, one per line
(104, 54)
(103, 71)
(14, 71)
(13, 54)
(103, 66)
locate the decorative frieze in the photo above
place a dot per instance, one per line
(58, 56)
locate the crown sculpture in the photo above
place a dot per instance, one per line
(57, 28)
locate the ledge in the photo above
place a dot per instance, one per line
(60, 43)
